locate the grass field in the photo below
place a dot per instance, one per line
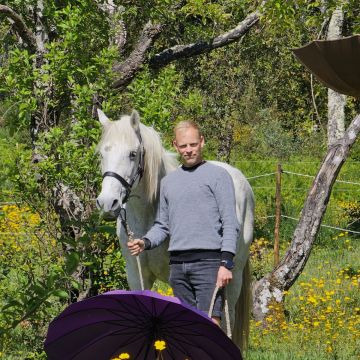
(320, 318)
(321, 314)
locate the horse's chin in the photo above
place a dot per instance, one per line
(111, 215)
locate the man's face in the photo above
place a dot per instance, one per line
(188, 144)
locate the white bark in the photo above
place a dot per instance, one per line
(41, 34)
(336, 101)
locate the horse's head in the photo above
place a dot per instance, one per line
(122, 160)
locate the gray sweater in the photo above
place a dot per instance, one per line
(197, 209)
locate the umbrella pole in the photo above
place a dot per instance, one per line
(159, 356)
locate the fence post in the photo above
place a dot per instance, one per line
(277, 215)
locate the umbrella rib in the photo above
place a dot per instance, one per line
(146, 352)
(130, 308)
(176, 344)
(182, 325)
(198, 335)
(165, 308)
(138, 320)
(134, 317)
(128, 341)
(142, 307)
(180, 348)
(180, 314)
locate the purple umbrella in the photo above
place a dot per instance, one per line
(336, 63)
(130, 322)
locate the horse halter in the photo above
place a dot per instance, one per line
(138, 175)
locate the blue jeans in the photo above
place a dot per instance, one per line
(194, 283)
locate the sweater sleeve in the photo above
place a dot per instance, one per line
(160, 230)
(224, 193)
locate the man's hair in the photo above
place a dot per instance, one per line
(186, 124)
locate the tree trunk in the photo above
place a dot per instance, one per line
(226, 141)
(272, 286)
(336, 101)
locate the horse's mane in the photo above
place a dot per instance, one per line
(158, 162)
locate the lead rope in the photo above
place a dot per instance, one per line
(131, 238)
(226, 309)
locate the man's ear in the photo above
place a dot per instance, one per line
(202, 140)
(175, 144)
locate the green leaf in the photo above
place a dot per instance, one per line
(75, 284)
(62, 294)
(106, 229)
(71, 262)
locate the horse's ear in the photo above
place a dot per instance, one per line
(103, 118)
(135, 121)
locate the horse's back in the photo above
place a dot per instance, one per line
(245, 206)
(241, 184)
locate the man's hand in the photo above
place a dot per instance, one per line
(136, 246)
(224, 277)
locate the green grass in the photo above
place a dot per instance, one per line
(333, 252)
(329, 269)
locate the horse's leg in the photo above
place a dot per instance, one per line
(158, 261)
(233, 293)
(243, 304)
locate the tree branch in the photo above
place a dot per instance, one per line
(137, 58)
(24, 32)
(183, 51)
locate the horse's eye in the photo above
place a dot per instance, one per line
(132, 155)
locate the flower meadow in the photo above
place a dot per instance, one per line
(319, 319)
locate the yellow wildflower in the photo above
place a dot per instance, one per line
(160, 345)
(124, 356)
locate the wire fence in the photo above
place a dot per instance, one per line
(253, 178)
(322, 225)
(296, 188)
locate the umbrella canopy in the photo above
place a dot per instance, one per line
(130, 322)
(336, 63)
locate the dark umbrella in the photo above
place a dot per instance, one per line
(336, 63)
(104, 326)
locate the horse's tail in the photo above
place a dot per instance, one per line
(242, 312)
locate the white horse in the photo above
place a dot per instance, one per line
(133, 159)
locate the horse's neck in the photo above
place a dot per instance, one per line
(139, 206)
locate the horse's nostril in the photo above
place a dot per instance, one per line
(114, 203)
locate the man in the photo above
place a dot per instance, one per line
(197, 210)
